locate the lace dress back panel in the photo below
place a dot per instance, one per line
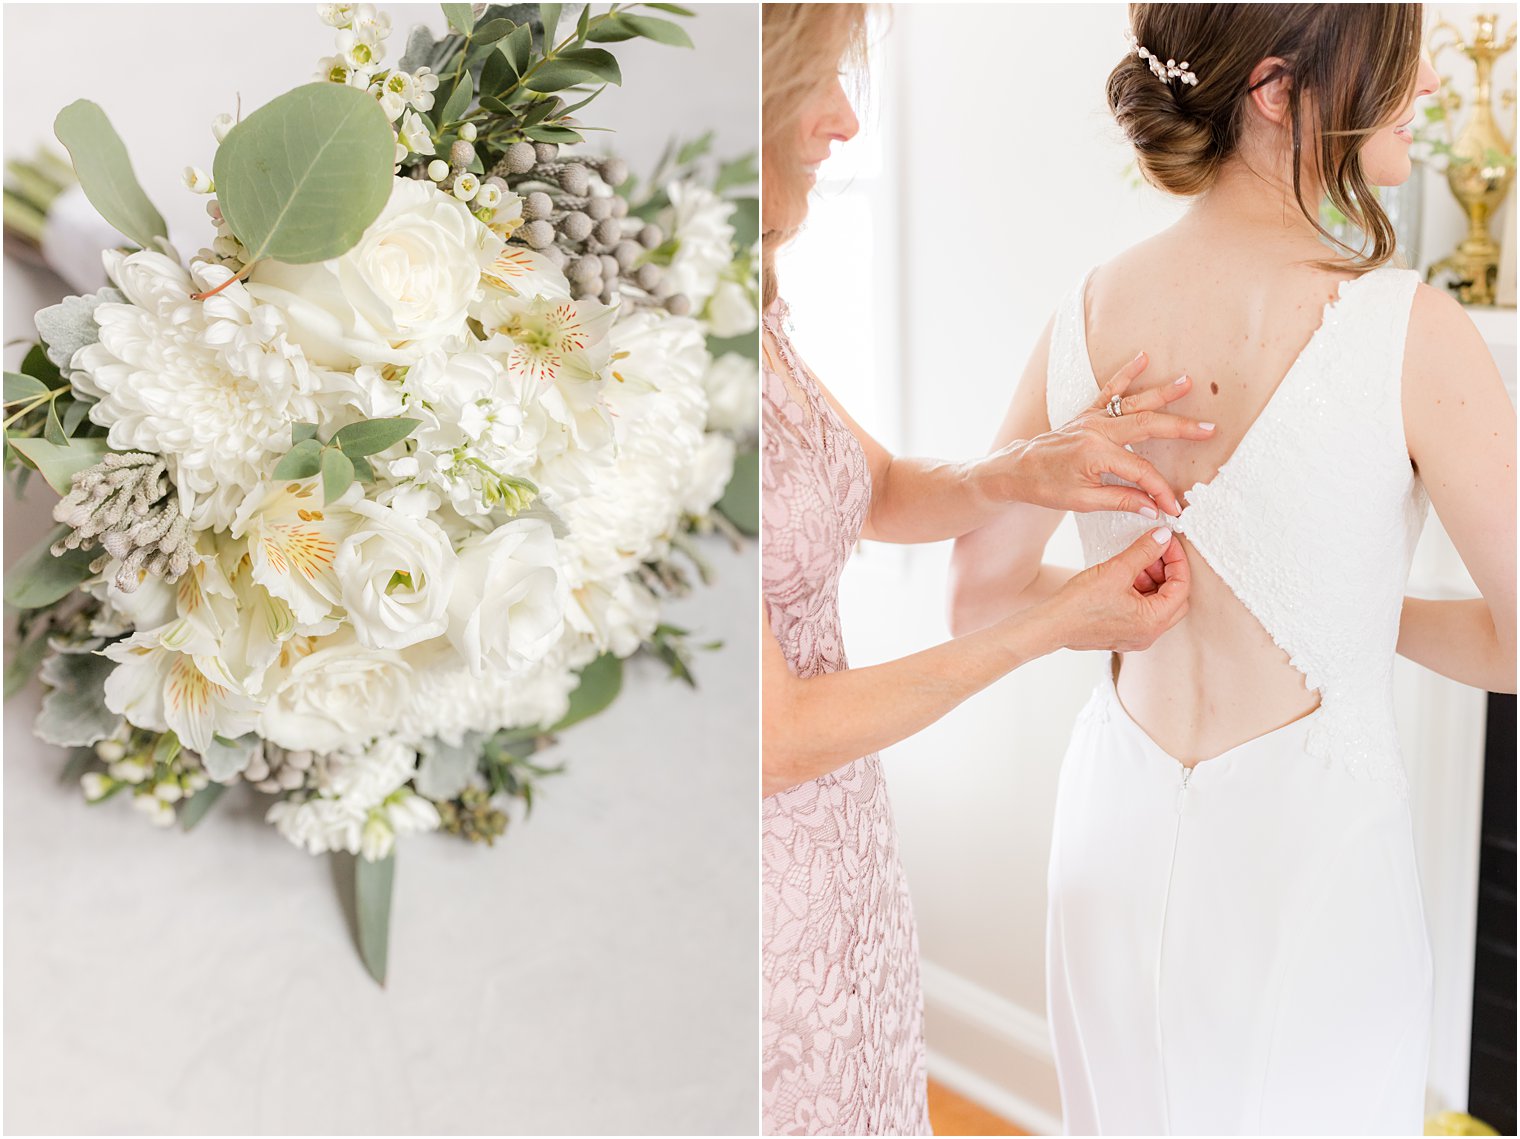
(842, 1033)
(1312, 521)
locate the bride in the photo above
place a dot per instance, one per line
(1235, 940)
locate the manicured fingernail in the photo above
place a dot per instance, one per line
(1162, 535)
(1149, 512)
(1207, 426)
(1182, 379)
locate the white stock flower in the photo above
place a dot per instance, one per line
(325, 693)
(415, 134)
(396, 572)
(733, 394)
(403, 290)
(359, 804)
(698, 221)
(615, 615)
(508, 607)
(211, 385)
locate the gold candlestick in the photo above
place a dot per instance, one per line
(1481, 165)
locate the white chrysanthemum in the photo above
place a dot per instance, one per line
(710, 473)
(211, 385)
(659, 408)
(733, 394)
(448, 702)
(698, 220)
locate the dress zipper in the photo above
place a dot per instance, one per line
(1187, 774)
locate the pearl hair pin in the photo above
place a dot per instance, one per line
(1170, 69)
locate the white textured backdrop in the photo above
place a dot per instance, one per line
(595, 973)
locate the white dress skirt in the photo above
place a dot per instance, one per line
(1238, 948)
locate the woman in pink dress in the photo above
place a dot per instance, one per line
(842, 1047)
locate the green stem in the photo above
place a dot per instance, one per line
(38, 401)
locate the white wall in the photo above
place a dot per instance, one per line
(988, 180)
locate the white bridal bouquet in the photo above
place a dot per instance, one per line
(366, 499)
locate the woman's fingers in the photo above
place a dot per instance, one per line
(1121, 380)
(1129, 429)
(1178, 577)
(1132, 468)
(1126, 499)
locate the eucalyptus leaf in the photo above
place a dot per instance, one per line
(38, 579)
(740, 503)
(583, 24)
(337, 474)
(195, 807)
(601, 680)
(518, 48)
(592, 62)
(105, 173)
(461, 17)
(741, 171)
(53, 430)
(459, 100)
(166, 748)
(444, 769)
(548, 15)
(373, 884)
(372, 435)
(300, 432)
(673, 9)
(745, 344)
(70, 325)
(301, 178)
(80, 761)
(694, 149)
(497, 74)
(227, 758)
(491, 103)
(19, 387)
(654, 28)
(74, 712)
(75, 415)
(362, 470)
(553, 134)
(301, 461)
(37, 365)
(611, 30)
(492, 30)
(23, 662)
(420, 46)
(58, 464)
(746, 221)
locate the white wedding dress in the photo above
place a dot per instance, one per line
(1241, 948)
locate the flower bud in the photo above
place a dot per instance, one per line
(546, 151)
(95, 786)
(198, 181)
(538, 234)
(221, 126)
(678, 304)
(468, 132)
(520, 157)
(110, 750)
(461, 153)
(438, 170)
(537, 205)
(576, 226)
(614, 171)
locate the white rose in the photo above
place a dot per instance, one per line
(396, 572)
(708, 478)
(508, 607)
(733, 394)
(731, 311)
(403, 289)
(333, 692)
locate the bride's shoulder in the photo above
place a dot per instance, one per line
(1442, 346)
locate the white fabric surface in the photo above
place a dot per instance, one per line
(595, 973)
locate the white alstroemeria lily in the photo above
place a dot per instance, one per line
(159, 684)
(554, 338)
(524, 272)
(293, 539)
(396, 572)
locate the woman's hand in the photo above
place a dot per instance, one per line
(1119, 604)
(1063, 469)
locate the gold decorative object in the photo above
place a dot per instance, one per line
(1481, 162)
(1456, 1123)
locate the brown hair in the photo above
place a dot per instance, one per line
(1355, 63)
(803, 45)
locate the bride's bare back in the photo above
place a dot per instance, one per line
(1236, 324)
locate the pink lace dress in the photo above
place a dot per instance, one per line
(842, 1044)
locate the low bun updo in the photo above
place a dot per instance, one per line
(1355, 65)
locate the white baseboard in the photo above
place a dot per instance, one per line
(991, 1050)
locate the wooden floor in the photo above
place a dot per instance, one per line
(955, 1115)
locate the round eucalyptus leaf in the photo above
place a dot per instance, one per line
(301, 178)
